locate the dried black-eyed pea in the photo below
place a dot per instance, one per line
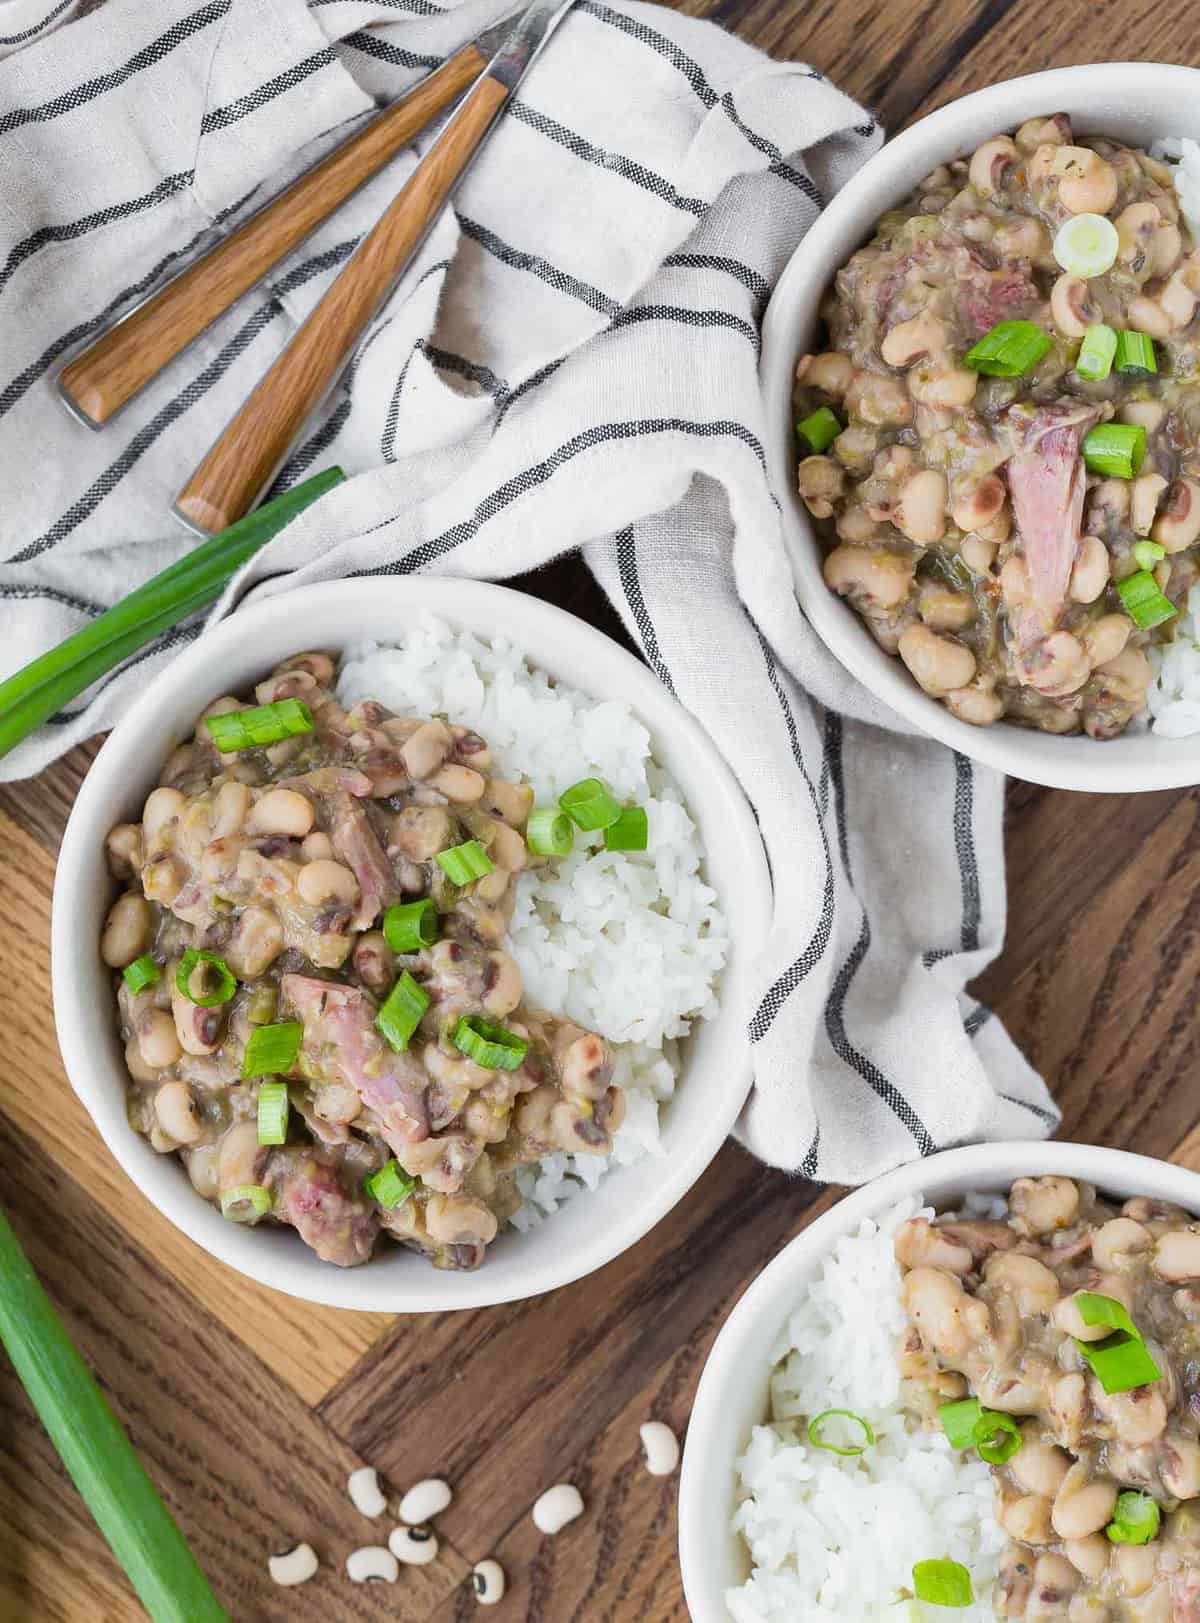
(372, 1565)
(557, 1507)
(365, 1493)
(294, 1566)
(487, 1580)
(414, 1546)
(424, 1501)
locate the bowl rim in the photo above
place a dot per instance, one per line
(704, 1531)
(1075, 762)
(535, 628)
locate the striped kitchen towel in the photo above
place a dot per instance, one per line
(570, 363)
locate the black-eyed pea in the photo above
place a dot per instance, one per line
(1144, 496)
(1058, 666)
(487, 1582)
(870, 575)
(1177, 300)
(935, 1301)
(1180, 1468)
(1138, 1417)
(162, 880)
(975, 506)
(502, 979)
(921, 511)
(1147, 414)
(507, 849)
(293, 1567)
(830, 372)
(557, 1507)
(1087, 184)
(939, 664)
(426, 750)
(1136, 226)
(1166, 246)
(990, 163)
(1128, 676)
(1178, 523)
(157, 1040)
(1137, 1566)
(1028, 1519)
(942, 386)
(283, 811)
(256, 942)
(976, 704)
(123, 848)
(177, 1114)
(1103, 639)
(1067, 1318)
(878, 399)
(1044, 1205)
(1084, 1504)
(128, 930)
(821, 482)
(231, 808)
(137, 1067)
(459, 1220)
(1089, 573)
(1054, 1582)
(326, 881)
(1177, 1255)
(163, 806)
(510, 802)
(1071, 306)
(856, 447)
(944, 609)
(857, 524)
(1147, 315)
(1039, 1467)
(459, 783)
(1116, 1241)
(978, 555)
(414, 1546)
(316, 846)
(1034, 1287)
(1037, 132)
(1088, 1556)
(909, 341)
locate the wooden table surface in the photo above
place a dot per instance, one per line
(250, 1409)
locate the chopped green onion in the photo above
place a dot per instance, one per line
(52, 680)
(141, 973)
(390, 1186)
(1011, 349)
(590, 804)
(409, 926)
(96, 1451)
(491, 1047)
(1148, 553)
(959, 1421)
(549, 832)
(245, 1204)
(272, 1050)
(1135, 355)
(262, 724)
(1120, 1362)
(272, 1112)
(943, 1583)
(816, 1427)
(820, 430)
(401, 1013)
(1135, 1520)
(226, 980)
(630, 832)
(1095, 357)
(997, 1437)
(462, 864)
(1115, 450)
(1086, 245)
(1146, 604)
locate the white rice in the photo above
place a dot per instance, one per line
(628, 944)
(835, 1538)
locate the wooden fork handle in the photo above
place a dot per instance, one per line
(242, 463)
(97, 383)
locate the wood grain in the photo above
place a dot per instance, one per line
(108, 374)
(244, 459)
(1095, 982)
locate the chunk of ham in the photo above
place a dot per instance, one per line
(357, 844)
(1046, 483)
(310, 1195)
(342, 1044)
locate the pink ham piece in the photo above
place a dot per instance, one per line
(342, 1044)
(309, 1194)
(1046, 483)
(357, 844)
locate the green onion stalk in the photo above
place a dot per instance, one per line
(96, 1451)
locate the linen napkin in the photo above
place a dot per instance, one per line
(570, 363)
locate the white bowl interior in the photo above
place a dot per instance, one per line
(588, 1231)
(732, 1395)
(1137, 102)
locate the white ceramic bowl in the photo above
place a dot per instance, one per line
(587, 1232)
(1137, 102)
(732, 1396)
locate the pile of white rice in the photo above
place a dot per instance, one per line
(833, 1539)
(628, 944)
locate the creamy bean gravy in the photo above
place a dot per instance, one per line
(955, 510)
(994, 1316)
(282, 860)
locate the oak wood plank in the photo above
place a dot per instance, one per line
(309, 1347)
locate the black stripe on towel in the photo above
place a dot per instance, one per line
(371, 45)
(219, 118)
(631, 582)
(79, 95)
(419, 8)
(779, 164)
(169, 639)
(518, 259)
(1047, 1116)
(614, 163)
(835, 1007)
(745, 274)
(19, 39)
(964, 849)
(21, 593)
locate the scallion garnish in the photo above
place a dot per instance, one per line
(549, 832)
(245, 1204)
(491, 1047)
(52, 680)
(141, 973)
(1009, 350)
(401, 1013)
(818, 1426)
(463, 864)
(959, 1420)
(943, 1583)
(1135, 355)
(391, 1186)
(820, 430)
(1148, 553)
(1115, 450)
(1135, 1520)
(261, 724)
(1086, 245)
(409, 926)
(1146, 604)
(273, 1111)
(590, 804)
(630, 832)
(997, 1437)
(1096, 352)
(1121, 1361)
(96, 1451)
(213, 970)
(272, 1050)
